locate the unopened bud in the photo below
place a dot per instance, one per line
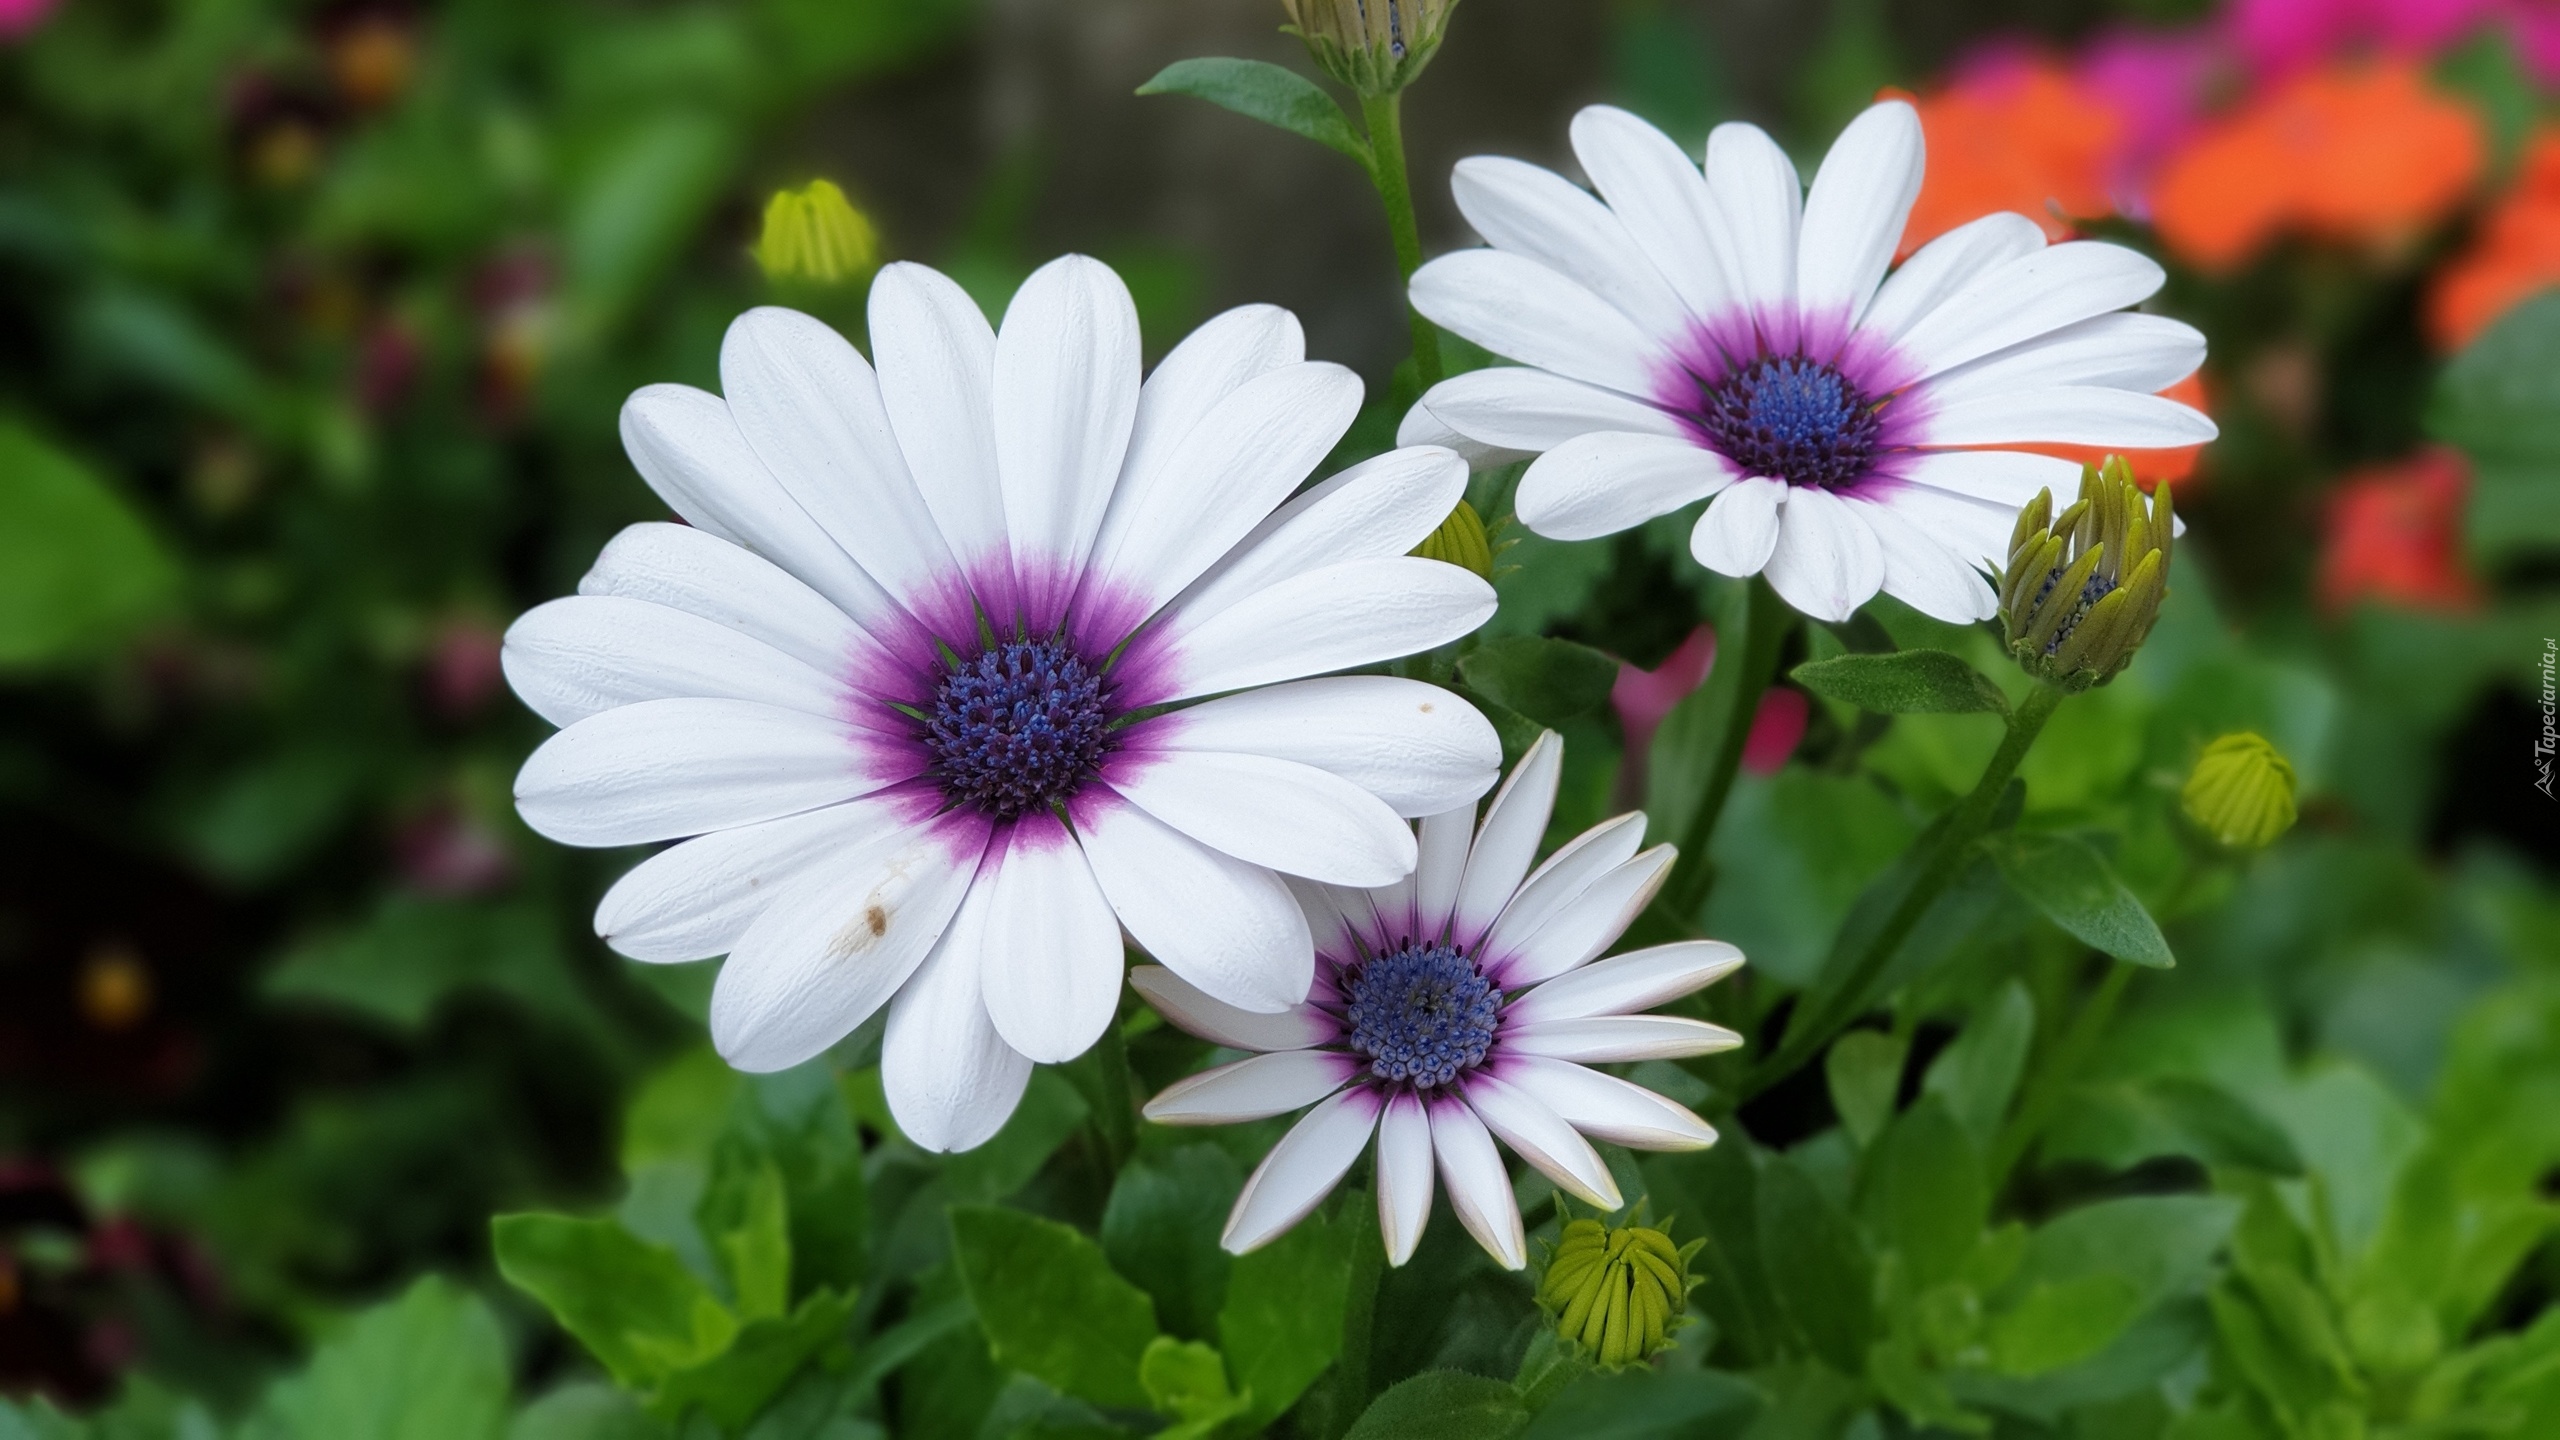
(2241, 792)
(1377, 47)
(1618, 1292)
(2082, 589)
(815, 235)
(1460, 541)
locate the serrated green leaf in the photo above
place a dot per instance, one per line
(1550, 681)
(745, 1216)
(1905, 682)
(1161, 1231)
(1259, 90)
(430, 1365)
(1188, 1381)
(732, 1386)
(1443, 1405)
(632, 1304)
(2076, 889)
(1282, 1321)
(1050, 1305)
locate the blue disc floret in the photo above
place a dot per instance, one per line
(1021, 726)
(1793, 419)
(1423, 1014)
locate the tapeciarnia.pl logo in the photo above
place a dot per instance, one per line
(2549, 741)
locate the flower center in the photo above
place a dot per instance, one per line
(2098, 587)
(1798, 420)
(1423, 1014)
(1020, 728)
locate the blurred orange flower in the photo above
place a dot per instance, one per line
(2150, 467)
(2020, 136)
(2364, 155)
(2395, 534)
(2516, 253)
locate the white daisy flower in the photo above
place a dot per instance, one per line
(907, 676)
(1454, 1008)
(1684, 335)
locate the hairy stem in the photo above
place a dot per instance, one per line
(1384, 115)
(1810, 1030)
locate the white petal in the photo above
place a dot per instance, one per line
(1478, 1184)
(2069, 415)
(1328, 909)
(1611, 1039)
(1355, 613)
(2122, 351)
(1607, 1108)
(1051, 972)
(1415, 746)
(1421, 427)
(687, 446)
(1624, 984)
(1253, 1088)
(1595, 485)
(692, 901)
(1974, 530)
(1517, 408)
(1209, 365)
(2006, 478)
(1740, 527)
(1380, 508)
(1945, 266)
(1066, 397)
(1234, 467)
(836, 944)
(1586, 925)
(1275, 813)
(1658, 194)
(1197, 1012)
(1295, 1177)
(1540, 1136)
(1230, 928)
(1441, 844)
(951, 1080)
(1921, 571)
(1853, 219)
(1521, 310)
(2034, 294)
(1826, 562)
(701, 574)
(810, 406)
(667, 768)
(1404, 1176)
(1528, 211)
(1759, 209)
(586, 654)
(937, 357)
(1509, 838)
(1565, 876)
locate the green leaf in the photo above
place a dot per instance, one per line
(634, 208)
(1817, 1266)
(1188, 1381)
(1282, 1321)
(1050, 1112)
(736, 1383)
(632, 1304)
(2163, 1244)
(2062, 1323)
(1161, 1231)
(1922, 1193)
(2225, 1129)
(745, 1214)
(1263, 91)
(1864, 1069)
(2074, 887)
(1550, 681)
(1979, 1072)
(414, 952)
(799, 1119)
(1905, 682)
(1443, 1405)
(78, 567)
(2500, 401)
(430, 1365)
(1051, 1306)
(1716, 1190)
(586, 1410)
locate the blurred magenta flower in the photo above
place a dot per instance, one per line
(1775, 728)
(21, 17)
(2158, 84)
(2281, 36)
(1643, 697)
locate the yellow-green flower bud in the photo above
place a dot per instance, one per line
(1377, 47)
(2241, 792)
(1460, 541)
(1618, 1292)
(814, 235)
(2082, 589)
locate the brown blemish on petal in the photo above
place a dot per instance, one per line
(878, 920)
(1426, 707)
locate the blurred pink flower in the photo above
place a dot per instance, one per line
(1776, 727)
(1642, 697)
(21, 17)
(2281, 36)
(2537, 32)
(462, 669)
(445, 851)
(2158, 83)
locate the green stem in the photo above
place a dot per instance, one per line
(1360, 1312)
(1750, 649)
(1810, 1031)
(1384, 115)
(2055, 1076)
(1103, 1076)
